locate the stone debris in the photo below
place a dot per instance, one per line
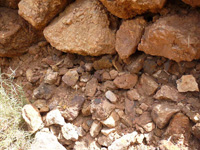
(51, 77)
(111, 96)
(196, 130)
(32, 118)
(111, 121)
(71, 77)
(44, 91)
(95, 128)
(69, 132)
(91, 87)
(187, 83)
(54, 117)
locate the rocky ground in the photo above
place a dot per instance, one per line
(120, 99)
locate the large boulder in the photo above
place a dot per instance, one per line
(9, 3)
(176, 37)
(128, 36)
(129, 8)
(39, 12)
(193, 3)
(15, 34)
(82, 28)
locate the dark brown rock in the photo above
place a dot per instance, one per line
(128, 8)
(15, 34)
(193, 3)
(38, 12)
(75, 31)
(128, 36)
(126, 81)
(174, 36)
(9, 3)
(196, 130)
(103, 63)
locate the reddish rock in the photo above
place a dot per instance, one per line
(103, 63)
(161, 114)
(169, 37)
(91, 87)
(196, 130)
(147, 85)
(128, 9)
(101, 109)
(168, 93)
(133, 94)
(9, 3)
(193, 3)
(75, 31)
(126, 81)
(187, 83)
(15, 34)
(180, 124)
(128, 36)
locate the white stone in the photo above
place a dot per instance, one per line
(69, 132)
(95, 128)
(111, 121)
(54, 117)
(111, 96)
(107, 131)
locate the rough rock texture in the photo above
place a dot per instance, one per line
(82, 28)
(69, 132)
(174, 36)
(111, 121)
(196, 130)
(54, 117)
(32, 117)
(71, 77)
(45, 140)
(9, 3)
(161, 114)
(129, 8)
(193, 3)
(95, 128)
(15, 34)
(39, 12)
(128, 36)
(187, 83)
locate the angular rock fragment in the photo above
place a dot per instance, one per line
(91, 87)
(193, 3)
(45, 140)
(187, 83)
(15, 34)
(69, 132)
(101, 109)
(44, 91)
(71, 77)
(75, 31)
(161, 114)
(128, 36)
(51, 77)
(196, 130)
(95, 128)
(133, 94)
(111, 96)
(126, 81)
(168, 93)
(72, 107)
(112, 120)
(128, 8)
(38, 12)
(54, 117)
(32, 118)
(174, 36)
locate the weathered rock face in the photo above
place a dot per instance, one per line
(38, 12)
(9, 3)
(174, 36)
(193, 3)
(82, 28)
(129, 8)
(15, 34)
(128, 36)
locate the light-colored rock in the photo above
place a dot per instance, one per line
(71, 77)
(147, 85)
(168, 145)
(139, 138)
(128, 36)
(160, 38)
(86, 108)
(123, 142)
(73, 107)
(51, 77)
(75, 31)
(69, 132)
(168, 93)
(91, 87)
(111, 96)
(128, 9)
(15, 34)
(101, 109)
(95, 128)
(54, 117)
(107, 131)
(44, 141)
(187, 83)
(144, 106)
(196, 130)
(133, 94)
(38, 12)
(113, 74)
(161, 113)
(126, 81)
(112, 120)
(32, 117)
(193, 3)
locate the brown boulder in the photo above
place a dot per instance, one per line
(193, 3)
(129, 8)
(9, 3)
(38, 12)
(128, 36)
(82, 28)
(176, 37)
(15, 34)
